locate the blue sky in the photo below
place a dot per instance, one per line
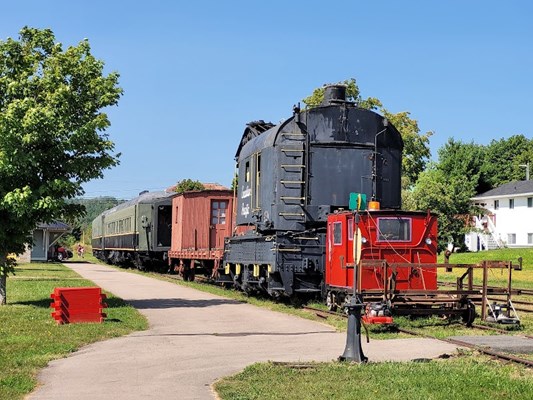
(195, 72)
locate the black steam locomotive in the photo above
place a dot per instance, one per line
(290, 177)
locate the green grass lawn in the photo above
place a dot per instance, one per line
(458, 378)
(30, 337)
(521, 279)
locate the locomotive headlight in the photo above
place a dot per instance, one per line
(428, 241)
(363, 239)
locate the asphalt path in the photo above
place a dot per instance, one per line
(195, 338)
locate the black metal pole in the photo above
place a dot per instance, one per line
(353, 351)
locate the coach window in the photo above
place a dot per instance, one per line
(337, 233)
(529, 202)
(511, 203)
(496, 204)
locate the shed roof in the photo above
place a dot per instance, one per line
(509, 189)
(54, 226)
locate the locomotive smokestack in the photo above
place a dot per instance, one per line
(334, 93)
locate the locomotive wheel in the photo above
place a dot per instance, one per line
(331, 301)
(469, 315)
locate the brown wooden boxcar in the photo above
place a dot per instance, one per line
(201, 220)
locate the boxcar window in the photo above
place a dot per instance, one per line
(218, 212)
(337, 233)
(394, 229)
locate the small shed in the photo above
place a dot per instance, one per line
(45, 236)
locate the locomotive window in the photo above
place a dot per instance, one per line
(337, 233)
(257, 184)
(394, 229)
(247, 171)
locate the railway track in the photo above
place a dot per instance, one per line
(483, 350)
(501, 356)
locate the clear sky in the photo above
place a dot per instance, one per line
(195, 72)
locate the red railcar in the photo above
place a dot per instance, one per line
(392, 236)
(393, 248)
(200, 222)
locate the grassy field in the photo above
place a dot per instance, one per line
(30, 337)
(521, 279)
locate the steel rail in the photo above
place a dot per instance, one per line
(495, 354)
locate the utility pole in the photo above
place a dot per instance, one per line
(526, 166)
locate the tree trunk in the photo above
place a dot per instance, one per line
(3, 279)
(3, 282)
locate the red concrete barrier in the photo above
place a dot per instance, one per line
(81, 304)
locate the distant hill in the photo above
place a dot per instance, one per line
(93, 208)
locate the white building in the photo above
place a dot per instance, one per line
(508, 221)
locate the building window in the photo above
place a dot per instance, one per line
(529, 202)
(511, 238)
(530, 238)
(511, 203)
(496, 204)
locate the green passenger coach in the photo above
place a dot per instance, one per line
(136, 232)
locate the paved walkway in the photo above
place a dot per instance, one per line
(194, 339)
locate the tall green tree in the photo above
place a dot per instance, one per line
(416, 145)
(503, 159)
(52, 133)
(463, 161)
(447, 196)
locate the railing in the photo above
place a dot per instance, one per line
(488, 231)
